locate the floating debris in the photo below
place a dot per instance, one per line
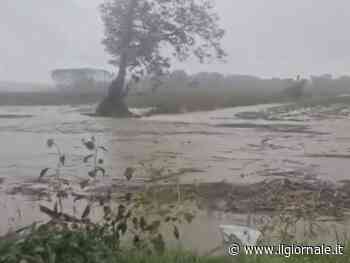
(14, 116)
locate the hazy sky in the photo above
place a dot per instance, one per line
(271, 38)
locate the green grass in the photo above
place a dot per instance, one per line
(169, 257)
(78, 246)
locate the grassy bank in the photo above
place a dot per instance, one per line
(78, 246)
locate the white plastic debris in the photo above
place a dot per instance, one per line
(241, 234)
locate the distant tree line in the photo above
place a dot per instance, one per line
(179, 80)
(327, 85)
(92, 79)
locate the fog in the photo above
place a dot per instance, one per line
(264, 38)
(244, 145)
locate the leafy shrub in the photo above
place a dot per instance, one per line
(138, 216)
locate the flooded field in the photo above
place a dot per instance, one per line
(242, 145)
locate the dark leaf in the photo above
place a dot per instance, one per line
(87, 157)
(62, 194)
(143, 223)
(121, 211)
(128, 197)
(84, 183)
(103, 148)
(189, 217)
(135, 78)
(135, 222)
(107, 210)
(109, 195)
(56, 207)
(86, 212)
(48, 212)
(78, 197)
(128, 214)
(129, 173)
(92, 173)
(50, 143)
(43, 172)
(176, 233)
(62, 159)
(90, 145)
(136, 240)
(100, 161)
(154, 226)
(122, 227)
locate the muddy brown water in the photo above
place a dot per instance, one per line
(214, 146)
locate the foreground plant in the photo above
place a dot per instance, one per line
(47, 245)
(50, 244)
(128, 218)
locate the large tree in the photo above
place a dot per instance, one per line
(145, 36)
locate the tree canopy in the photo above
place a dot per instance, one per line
(145, 36)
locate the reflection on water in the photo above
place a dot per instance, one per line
(214, 146)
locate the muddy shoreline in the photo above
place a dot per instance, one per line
(332, 199)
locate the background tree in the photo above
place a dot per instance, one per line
(145, 36)
(296, 89)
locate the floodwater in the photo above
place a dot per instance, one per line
(212, 146)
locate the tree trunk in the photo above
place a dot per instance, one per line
(114, 104)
